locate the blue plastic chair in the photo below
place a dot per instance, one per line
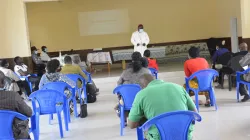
(50, 102)
(6, 122)
(205, 80)
(154, 72)
(239, 81)
(61, 87)
(171, 125)
(76, 78)
(128, 93)
(27, 79)
(89, 76)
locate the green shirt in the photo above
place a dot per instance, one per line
(157, 98)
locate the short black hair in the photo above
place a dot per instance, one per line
(43, 48)
(147, 53)
(16, 58)
(52, 66)
(219, 44)
(136, 61)
(33, 48)
(194, 52)
(3, 62)
(144, 62)
(67, 59)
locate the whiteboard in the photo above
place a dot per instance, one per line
(103, 22)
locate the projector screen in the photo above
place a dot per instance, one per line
(103, 22)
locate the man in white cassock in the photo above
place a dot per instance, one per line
(140, 40)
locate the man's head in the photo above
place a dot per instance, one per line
(67, 60)
(147, 53)
(145, 79)
(44, 48)
(193, 52)
(144, 62)
(34, 50)
(2, 77)
(140, 28)
(53, 66)
(76, 59)
(4, 63)
(243, 46)
(18, 60)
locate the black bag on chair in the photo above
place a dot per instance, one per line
(84, 111)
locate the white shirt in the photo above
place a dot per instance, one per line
(24, 68)
(45, 56)
(9, 73)
(140, 38)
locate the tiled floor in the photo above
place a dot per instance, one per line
(230, 122)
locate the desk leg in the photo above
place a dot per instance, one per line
(109, 68)
(123, 64)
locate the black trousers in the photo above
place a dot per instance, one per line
(222, 72)
(243, 90)
(40, 69)
(25, 85)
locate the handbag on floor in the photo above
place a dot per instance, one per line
(84, 111)
(91, 93)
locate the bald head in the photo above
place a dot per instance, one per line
(145, 79)
(2, 77)
(243, 46)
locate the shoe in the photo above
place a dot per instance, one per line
(219, 86)
(246, 98)
(207, 104)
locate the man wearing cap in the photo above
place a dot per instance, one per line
(140, 40)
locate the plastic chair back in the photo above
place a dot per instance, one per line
(47, 100)
(224, 58)
(89, 76)
(76, 77)
(154, 72)
(6, 122)
(234, 63)
(58, 86)
(128, 93)
(172, 125)
(204, 77)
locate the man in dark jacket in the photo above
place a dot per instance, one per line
(12, 101)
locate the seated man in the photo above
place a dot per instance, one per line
(44, 55)
(220, 50)
(40, 66)
(11, 77)
(12, 101)
(69, 68)
(53, 75)
(22, 70)
(151, 62)
(194, 64)
(170, 97)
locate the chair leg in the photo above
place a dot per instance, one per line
(121, 120)
(37, 125)
(237, 91)
(50, 118)
(60, 123)
(197, 100)
(213, 99)
(68, 112)
(139, 134)
(66, 119)
(75, 107)
(229, 82)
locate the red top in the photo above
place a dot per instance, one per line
(152, 63)
(193, 65)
